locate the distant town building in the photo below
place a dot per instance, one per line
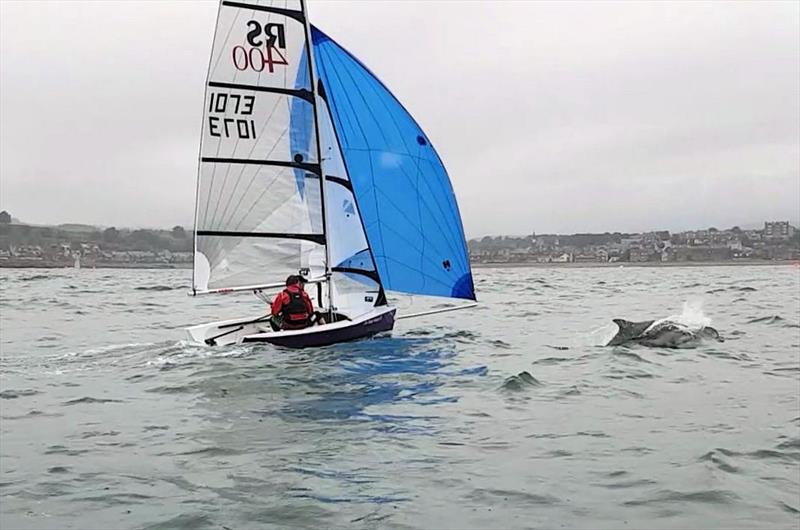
(778, 230)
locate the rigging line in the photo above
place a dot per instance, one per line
(338, 146)
(372, 172)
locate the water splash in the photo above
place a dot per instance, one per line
(691, 316)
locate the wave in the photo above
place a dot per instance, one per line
(521, 381)
(793, 443)
(212, 451)
(33, 414)
(34, 277)
(718, 459)
(89, 399)
(629, 355)
(762, 454)
(679, 497)
(624, 484)
(155, 288)
(552, 360)
(491, 495)
(13, 394)
(769, 319)
(785, 507)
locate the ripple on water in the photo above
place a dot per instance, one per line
(718, 459)
(90, 400)
(768, 319)
(679, 497)
(14, 394)
(491, 496)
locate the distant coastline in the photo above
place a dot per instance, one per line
(481, 265)
(627, 264)
(9, 264)
(85, 246)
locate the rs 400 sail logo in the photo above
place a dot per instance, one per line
(263, 50)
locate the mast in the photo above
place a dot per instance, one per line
(312, 74)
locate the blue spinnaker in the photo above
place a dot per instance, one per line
(403, 191)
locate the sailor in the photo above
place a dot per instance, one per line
(292, 307)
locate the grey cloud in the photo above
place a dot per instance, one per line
(554, 117)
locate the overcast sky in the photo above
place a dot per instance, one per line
(550, 117)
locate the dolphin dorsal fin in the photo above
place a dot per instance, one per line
(622, 323)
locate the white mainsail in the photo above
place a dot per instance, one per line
(254, 224)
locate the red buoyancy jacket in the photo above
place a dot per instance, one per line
(294, 305)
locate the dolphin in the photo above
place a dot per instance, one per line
(661, 334)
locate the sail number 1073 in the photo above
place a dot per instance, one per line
(228, 127)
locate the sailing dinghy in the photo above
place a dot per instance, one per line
(309, 165)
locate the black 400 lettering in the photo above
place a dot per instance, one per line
(243, 129)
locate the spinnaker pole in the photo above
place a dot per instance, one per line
(312, 74)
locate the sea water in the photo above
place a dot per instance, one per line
(510, 415)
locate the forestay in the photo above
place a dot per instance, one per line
(253, 223)
(355, 282)
(403, 192)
